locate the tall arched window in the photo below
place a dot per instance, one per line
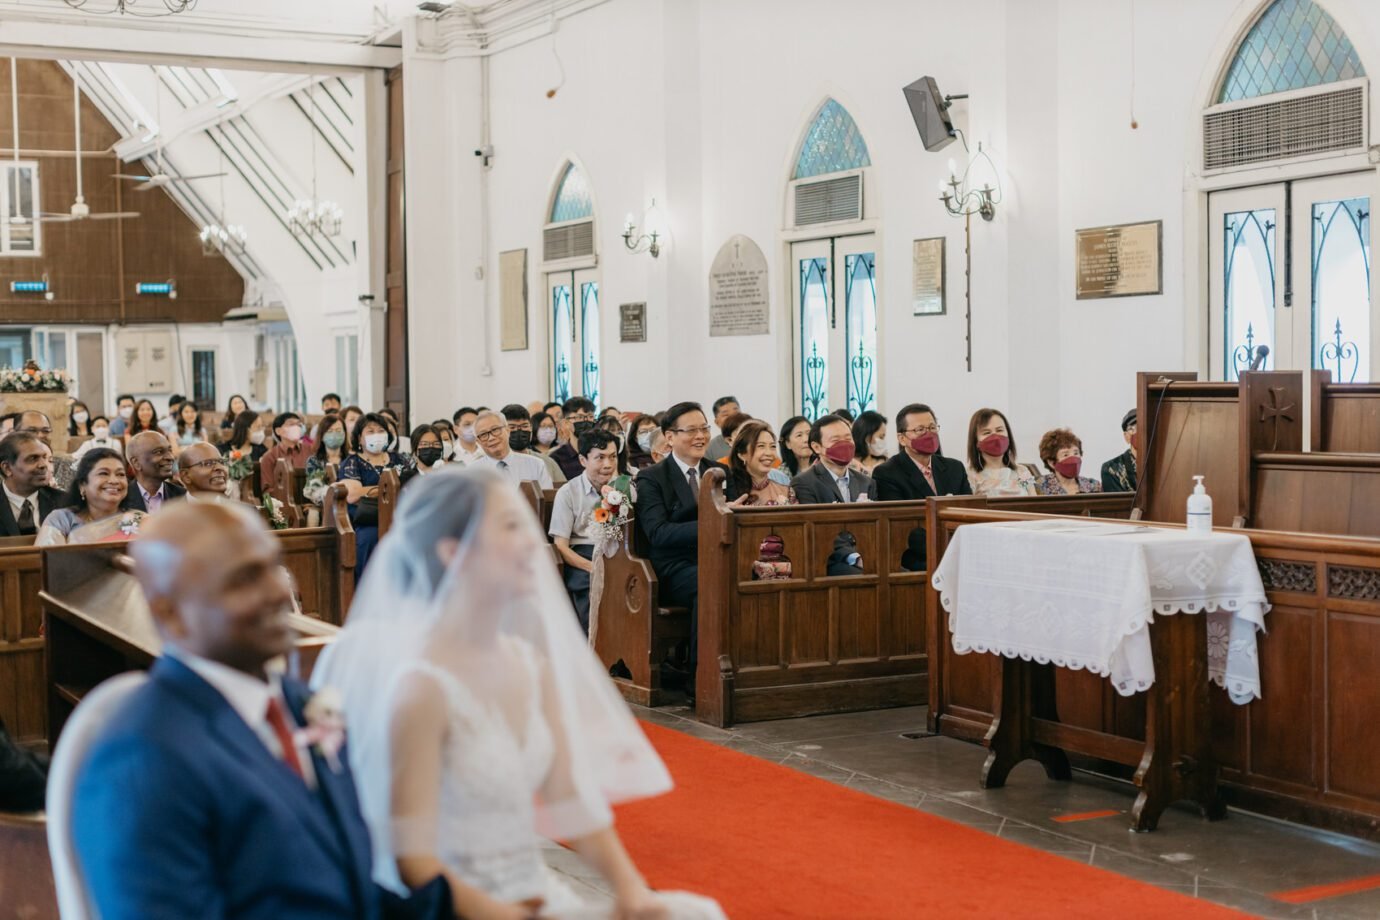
(1290, 262)
(572, 288)
(834, 277)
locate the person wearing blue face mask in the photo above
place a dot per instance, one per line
(187, 430)
(332, 447)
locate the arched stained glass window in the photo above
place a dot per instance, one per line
(1294, 44)
(573, 200)
(833, 144)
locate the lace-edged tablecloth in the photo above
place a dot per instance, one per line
(1082, 594)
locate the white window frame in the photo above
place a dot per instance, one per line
(7, 168)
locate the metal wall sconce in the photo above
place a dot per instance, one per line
(648, 242)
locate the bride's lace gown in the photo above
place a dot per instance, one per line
(486, 826)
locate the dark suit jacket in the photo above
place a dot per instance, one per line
(184, 813)
(899, 479)
(49, 500)
(667, 513)
(816, 486)
(134, 501)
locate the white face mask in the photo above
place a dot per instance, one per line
(877, 448)
(80, 417)
(447, 449)
(546, 436)
(100, 433)
(644, 441)
(292, 434)
(256, 437)
(376, 443)
(126, 412)
(467, 433)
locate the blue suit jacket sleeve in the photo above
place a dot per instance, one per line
(654, 510)
(159, 866)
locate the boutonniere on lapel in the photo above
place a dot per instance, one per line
(325, 729)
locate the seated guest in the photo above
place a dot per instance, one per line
(833, 478)
(554, 410)
(332, 447)
(520, 440)
(869, 441)
(204, 473)
(168, 423)
(796, 455)
(749, 464)
(124, 412)
(151, 458)
(614, 426)
(1062, 453)
(288, 430)
(187, 429)
(447, 432)
(145, 418)
(351, 415)
(330, 403)
(201, 797)
(668, 513)
(360, 472)
(466, 447)
(23, 776)
(7, 422)
(729, 428)
(93, 512)
(640, 438)
(78, 419)
(534, 408)
(571, 512)
(920, 469)
(246, 437)
(844, 414)
(661, 448)
(26, 469)
(36, 423)
(577, 417)
(724, 408)
(100, 437)
(427, 454)
(233, 409)
(992, 466)
(492, 433)
(401, 444)
(611, 412)
(543, 433)
(1119, 473)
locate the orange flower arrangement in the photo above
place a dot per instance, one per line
(601, 515)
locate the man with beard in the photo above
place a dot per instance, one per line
(151, 457)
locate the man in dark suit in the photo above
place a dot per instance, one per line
(668, 514)
(201, 798)
(920, 470)
(831, 480)
(151, 456)
(25, 467)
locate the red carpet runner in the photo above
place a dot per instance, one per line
(768, 841)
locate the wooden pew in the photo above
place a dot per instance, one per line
(1344, 417)
(26, 873)
(21, 639)
(389, 487)
(1306, 751)
(98, 625)
(322, 559)
(286, 487)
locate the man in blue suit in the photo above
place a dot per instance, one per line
(202, 798)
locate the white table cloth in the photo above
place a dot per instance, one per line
(1082, 594)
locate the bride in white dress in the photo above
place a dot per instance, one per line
(479, 722)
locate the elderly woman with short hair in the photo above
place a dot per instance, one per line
(1062, 454)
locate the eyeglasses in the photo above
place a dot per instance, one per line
(923, 429)
(210, 463)
(520, 426)
(493, 434)
(704, 429)
(579, 417)
(41, 432)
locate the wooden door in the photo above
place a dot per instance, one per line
(395, 334)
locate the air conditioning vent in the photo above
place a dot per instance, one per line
(568, 241)
(1325, 122)
(827, 200)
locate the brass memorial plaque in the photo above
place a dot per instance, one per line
(927, 277)
(1120, 261)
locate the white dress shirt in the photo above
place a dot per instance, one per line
(249, 697)
(17, 505)
(572, 510)
(842, 483)
(516, 467)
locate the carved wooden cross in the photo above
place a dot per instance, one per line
(1274, 412)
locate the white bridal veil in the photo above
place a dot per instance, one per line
(498, 592)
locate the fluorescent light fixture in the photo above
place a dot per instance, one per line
(28, 287)
(155, 289)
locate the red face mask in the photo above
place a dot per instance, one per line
(927, 443)
(994, 445)
(840, 453)
(1069, 467)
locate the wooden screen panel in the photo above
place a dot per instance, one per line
(1283, 745)
(858, 624)
(749, 548)
(1196, 436)
(22, 689)
(899, 531)
(1081, 698)
(1353, 745)
(755, 640)
(903, 624)
(805, 623)
(1299, 495)
(867, 534)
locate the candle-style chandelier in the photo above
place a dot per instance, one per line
(135, 7)
(313, 216)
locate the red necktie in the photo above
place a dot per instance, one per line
(277, 720)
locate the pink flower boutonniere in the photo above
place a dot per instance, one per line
(325, 730)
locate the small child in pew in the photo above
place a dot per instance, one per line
(572, 510)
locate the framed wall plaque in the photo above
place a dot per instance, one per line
(512, 300)
(927, 277)
(1124, 260)
(632, 322)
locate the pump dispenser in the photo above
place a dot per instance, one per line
(1199, 509)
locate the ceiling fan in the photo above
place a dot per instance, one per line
(80, 210)
(160, 178)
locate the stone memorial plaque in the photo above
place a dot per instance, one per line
(927, 277)
(1119, 261)
(632, 322)
(739, 298)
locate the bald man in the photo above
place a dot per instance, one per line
(151, 457)
(201, 798)
(203, 472)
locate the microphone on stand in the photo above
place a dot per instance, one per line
(1261, 353)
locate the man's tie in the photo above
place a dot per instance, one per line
(843, 490)
(693, 475)
(277, 720)
(26, 519)
(503, 464)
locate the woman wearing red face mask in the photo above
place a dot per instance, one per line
(1062, 453)
(992, 466)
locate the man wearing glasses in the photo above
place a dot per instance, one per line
(920, 470)
(577, 417)
(37, 424)
(203, 472)
(491, 431)
(668, 513)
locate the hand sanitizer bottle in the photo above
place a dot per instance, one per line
(1199, 509)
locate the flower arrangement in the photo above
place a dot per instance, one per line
(273, 510)
(241, 465)
(614, 510)
(325, 729)
(33, 380)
